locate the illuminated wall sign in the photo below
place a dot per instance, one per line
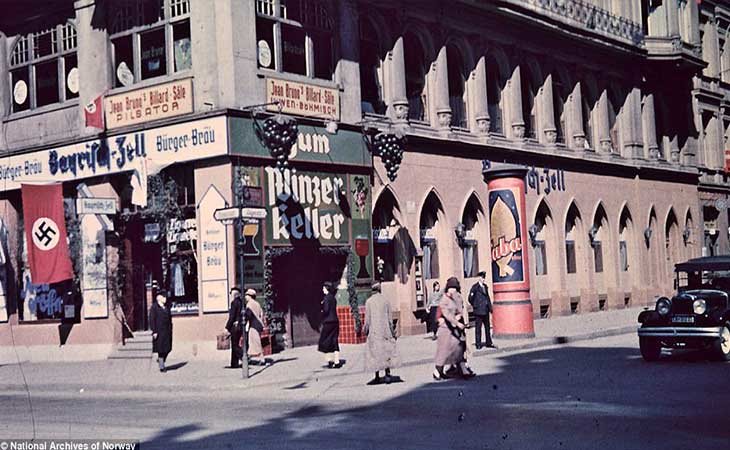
(152, 103)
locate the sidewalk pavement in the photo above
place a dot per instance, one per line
(293, 367)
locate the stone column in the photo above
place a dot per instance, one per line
(576, 115)
(93, 57)
(648, 118)
(548, 111)
(512, 307)
(633, 145)
(441, 91)
(399, 96)
(711, 50)
(603, 129)
(348, 67)
(694, 22)
(4, 87)
(672, 10)
(515, 100)
(478, 88)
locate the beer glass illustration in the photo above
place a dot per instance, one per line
(362, 248)
(250, 230)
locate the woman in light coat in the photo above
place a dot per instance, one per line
(451, 340)
(381, 352)
(254, 324)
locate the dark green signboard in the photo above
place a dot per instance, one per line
(314, 144)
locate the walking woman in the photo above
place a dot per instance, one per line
(330, 333)
(254, 324)
(161, 325)
(451, 338)
(432, 307)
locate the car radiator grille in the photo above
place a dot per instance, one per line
(681, 307)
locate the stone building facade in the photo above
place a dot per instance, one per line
(615, 108)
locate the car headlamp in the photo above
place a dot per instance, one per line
(663, 306)
(699, 306)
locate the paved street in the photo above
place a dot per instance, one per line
(591, 394)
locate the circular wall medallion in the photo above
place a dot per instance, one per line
(72, 80)
(20, 92)
(124, 74)
(264, 54)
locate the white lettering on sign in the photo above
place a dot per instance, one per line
(156, 102)
(311, 192)
(310, 143)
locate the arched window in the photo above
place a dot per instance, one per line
(596, 236)
(371, 70)
(416, 90)
(529, 107)
(571, 234)
(672, 239)
(303, 31)
(710, 216)
(430, 214)
(624, 237)
(385, 225)
(150, 39)
(495, 87)
(471, 218)
(539, 239)
(44, 68)
(457, 88)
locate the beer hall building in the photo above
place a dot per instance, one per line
(612, 157)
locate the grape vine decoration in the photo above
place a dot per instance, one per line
(389, 147)
(278, 134)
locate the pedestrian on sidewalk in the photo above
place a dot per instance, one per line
(161, 325)
(482, 306)
(254, 324)
(330, 332)
(451, 338)
(432, 308)
(235, 327)
(381, 352)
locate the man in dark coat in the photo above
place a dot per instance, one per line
(235, 327)
(161, 325)
(330, 332)
(482, 305)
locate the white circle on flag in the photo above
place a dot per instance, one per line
(20, 92)
(72, 80)
(45, 233)
(264, 53)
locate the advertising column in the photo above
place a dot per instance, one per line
(512, 307)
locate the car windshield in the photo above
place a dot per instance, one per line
(705, 279)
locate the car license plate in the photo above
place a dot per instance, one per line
(683, 319)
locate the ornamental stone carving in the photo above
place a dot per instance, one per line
(483, 125)
(606, 146)
(551, 136)
(444, 118)
(400, 110)
(519, 131)
(579, 142)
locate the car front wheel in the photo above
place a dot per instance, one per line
(722, 346)
(650, 348)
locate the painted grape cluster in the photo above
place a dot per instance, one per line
(279, 135)
(389, 147)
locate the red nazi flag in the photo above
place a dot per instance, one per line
(45, 232)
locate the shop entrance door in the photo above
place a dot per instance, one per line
(297, 280)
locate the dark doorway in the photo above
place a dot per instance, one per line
(297, 279)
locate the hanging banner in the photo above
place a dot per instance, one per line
(45, 229)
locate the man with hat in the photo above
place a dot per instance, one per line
(482, 305)
(381, 352)
(235, 327)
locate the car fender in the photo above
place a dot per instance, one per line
(648, 316)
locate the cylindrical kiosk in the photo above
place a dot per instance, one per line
(512, 307)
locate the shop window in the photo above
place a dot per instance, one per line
(385, 259)
(570, 256)
(304, 28)
(430, 259)
(623, 256)
(385, 229)
(540, 258)
(48, 58)
(598, 256)
(150, 39)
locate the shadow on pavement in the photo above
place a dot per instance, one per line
(176, 366)
(559, 398)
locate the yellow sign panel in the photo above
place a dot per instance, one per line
(303, 99)
(152, 103)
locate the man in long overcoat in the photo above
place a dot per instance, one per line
(381, 352)
(161, 326)
(235, 327)
(482, 304)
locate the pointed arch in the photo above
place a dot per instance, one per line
(672, 237)
(433, 233)
(386, 220)
(474, 219)
(544, 243)
(576, 243)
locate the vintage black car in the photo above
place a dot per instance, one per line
(698, 316)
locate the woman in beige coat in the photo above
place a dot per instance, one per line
(381, 352)
(450, 337)
(254, 324)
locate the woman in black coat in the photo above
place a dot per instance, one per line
(330, 332)
(161, 325)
